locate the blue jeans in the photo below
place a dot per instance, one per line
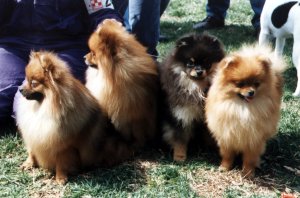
(140, 8)
(144, 22)
(218, 9)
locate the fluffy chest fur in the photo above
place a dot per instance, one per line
(182, 90)
(185, 97)
(36, 121)
(95, 82)
(244, 125)
(39, 129)
(188, 113)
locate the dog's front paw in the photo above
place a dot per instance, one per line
(179, 157)
(61, 180)
(28, 164)
(226, 165)
(61, 176)
(223, 168)
(179, 153)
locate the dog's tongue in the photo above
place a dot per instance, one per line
(248, 99)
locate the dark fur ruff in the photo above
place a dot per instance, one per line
(61, 123)
(185, 78)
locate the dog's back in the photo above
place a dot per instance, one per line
(279, 19)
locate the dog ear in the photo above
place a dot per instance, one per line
(34, 54)
(108, 37)
(211, 41)
(265, 62)
(46, 63)
(185, 41)
(42, 58)
(229, 62)
(53, 66)
(109, 23)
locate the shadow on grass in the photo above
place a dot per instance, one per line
(290, 80)
(232, 35)
(149, 173)
(280, 163)
(7, 127)
(125, 178)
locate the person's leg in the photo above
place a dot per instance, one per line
(74, 58)
(163, 6)
(12, 74)
(257, 6)
(120, 5)
(216, 12)
(144, 20)
(126, 20)
(217, 9)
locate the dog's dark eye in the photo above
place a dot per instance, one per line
(256, 84)
(34, 83)
(190, 64)
(240, 84)
(205, 61)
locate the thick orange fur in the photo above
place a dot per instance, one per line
(61, 123)
(243, 105)
(124, 80)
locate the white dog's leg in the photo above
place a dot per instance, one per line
(296, 61)
(280, 41)
(264, 38)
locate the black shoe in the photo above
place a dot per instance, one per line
(209, 23)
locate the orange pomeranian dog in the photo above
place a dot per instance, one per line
(124, 79)
(243, 105)
(61, 122)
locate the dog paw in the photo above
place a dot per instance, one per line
(226, 165)
(179, 158)
(27, 165)
(223, 168)
(61, 180)
(179, 154)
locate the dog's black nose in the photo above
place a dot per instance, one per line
(251, 93)
(21, 91)
(199, 72)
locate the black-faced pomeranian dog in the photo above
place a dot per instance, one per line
(185, 77)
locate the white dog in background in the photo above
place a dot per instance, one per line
(280, 19)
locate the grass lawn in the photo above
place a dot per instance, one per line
(153, 173)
